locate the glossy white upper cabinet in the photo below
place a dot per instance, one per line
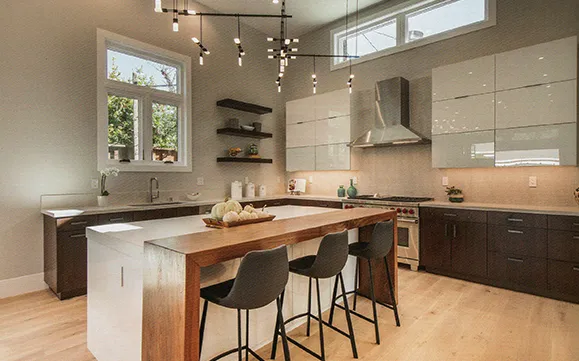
(539, 64)
(465, 150)
(549, 145)
(301, 135)
(333, 157)
(298, 159)
(333, 130)
(332, 104)
(470, 114)
(301, 110)
(470, 77)
(540, 105)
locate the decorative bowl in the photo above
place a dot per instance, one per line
(248, 127)
(193, 196)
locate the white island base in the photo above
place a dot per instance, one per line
(115, 281)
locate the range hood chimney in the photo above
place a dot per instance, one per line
(392, 117)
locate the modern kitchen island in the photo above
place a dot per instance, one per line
(144, 279)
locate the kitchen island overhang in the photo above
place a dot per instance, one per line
(171, 279)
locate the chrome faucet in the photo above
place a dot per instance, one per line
(152, 196)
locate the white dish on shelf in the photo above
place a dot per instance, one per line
(248, 127)
(193, 196)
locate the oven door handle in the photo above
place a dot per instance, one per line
(408, 220)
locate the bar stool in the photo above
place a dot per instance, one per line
(379, 246)
(261, 279)
(329, 262)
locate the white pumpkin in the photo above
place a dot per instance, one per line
(218, 211)
(262, 214)
(231, 217)
(253, 216)
(244, 215)
(249, 209)
(233, 206)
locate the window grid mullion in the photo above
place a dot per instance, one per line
(147, 125)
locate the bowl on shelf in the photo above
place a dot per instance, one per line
(248, 128)
(193, 196)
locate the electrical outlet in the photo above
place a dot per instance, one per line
(532, 182)
(94, 184)
(445, 181)
(200, 181)
(311, 179)
(355, 180)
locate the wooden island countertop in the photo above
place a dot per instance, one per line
(172, 266)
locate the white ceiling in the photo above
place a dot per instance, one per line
(307, 14)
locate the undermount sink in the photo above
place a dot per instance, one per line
(154, 204)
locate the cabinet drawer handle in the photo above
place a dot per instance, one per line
(575, 224)
(454, 230)
(514, 220)
(450, 215)
(80, 235)
(78, 223)
(515, 260)
(122, 276)
(461, 97)
(116, 219)
(514, 231)
(576, 269)
(575, 237)
(446, 229)
(533, 85)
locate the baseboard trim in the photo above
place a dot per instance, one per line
(20, 285)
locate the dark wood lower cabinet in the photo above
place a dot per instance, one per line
(530, 253)
(469, 248)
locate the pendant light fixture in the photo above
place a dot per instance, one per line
(237, 42)
(175, 17)
(202, 48)
(314, 77)
(158, 6)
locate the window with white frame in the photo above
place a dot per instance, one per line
(144, 106)
(408, 25)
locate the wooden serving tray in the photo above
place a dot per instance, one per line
(213, 223)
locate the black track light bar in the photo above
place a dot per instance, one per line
(192, 13)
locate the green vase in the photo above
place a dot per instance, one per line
(341, 192)
(352, 191)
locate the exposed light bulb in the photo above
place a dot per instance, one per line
(314, 88)
(242, 53)
(239, 61)
(295, 40)
(281, 68)
(280, 75)
(287, 41)
(314, 76)
(270, 50)
(351, 76)
(206, 51)
(279, 88)
(286, 61)
(293, 57)
(237, 41)
(158, 6)
(200, 58)
(294, 49)
(195, 40)
(269, 39)
(271, 57)
(276, 1)
(350, 88)
(175, 25)
(191, 12)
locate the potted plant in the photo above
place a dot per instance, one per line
(454, 194)
(102, 199)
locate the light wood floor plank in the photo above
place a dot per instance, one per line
(442, 319)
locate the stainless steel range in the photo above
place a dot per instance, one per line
(408, 222)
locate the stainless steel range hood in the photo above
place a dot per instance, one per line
(392, 117)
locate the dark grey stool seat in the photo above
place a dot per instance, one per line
(328, 262)
(378, 248)
(261, 279)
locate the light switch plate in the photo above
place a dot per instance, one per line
(532, 182)
(445, 181)
(94, 184)
(200, 181)
(355, 180)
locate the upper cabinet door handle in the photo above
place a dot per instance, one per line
(514, 220)
(78, 223)
(532, 86)
(514, 231)
(575, 237)
(462, 97)
(451, 215)
(576, 269)
(116, 219)
(575, 224)
(80, 235)
(515, 260)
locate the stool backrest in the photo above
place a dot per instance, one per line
(332, 255)
(382, 239)
(261, 278)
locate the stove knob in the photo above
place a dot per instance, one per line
(405, 211)
(411, 211)
(398, 210)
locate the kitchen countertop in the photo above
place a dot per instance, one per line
(551, 210)
(85, 211)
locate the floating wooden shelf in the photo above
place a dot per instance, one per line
(245, 107)
(243, 160)
(244, 133)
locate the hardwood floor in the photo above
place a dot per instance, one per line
(442, 319)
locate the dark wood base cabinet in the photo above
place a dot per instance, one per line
(532, 253)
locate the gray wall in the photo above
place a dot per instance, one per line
(407, 170)
(48, 110)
